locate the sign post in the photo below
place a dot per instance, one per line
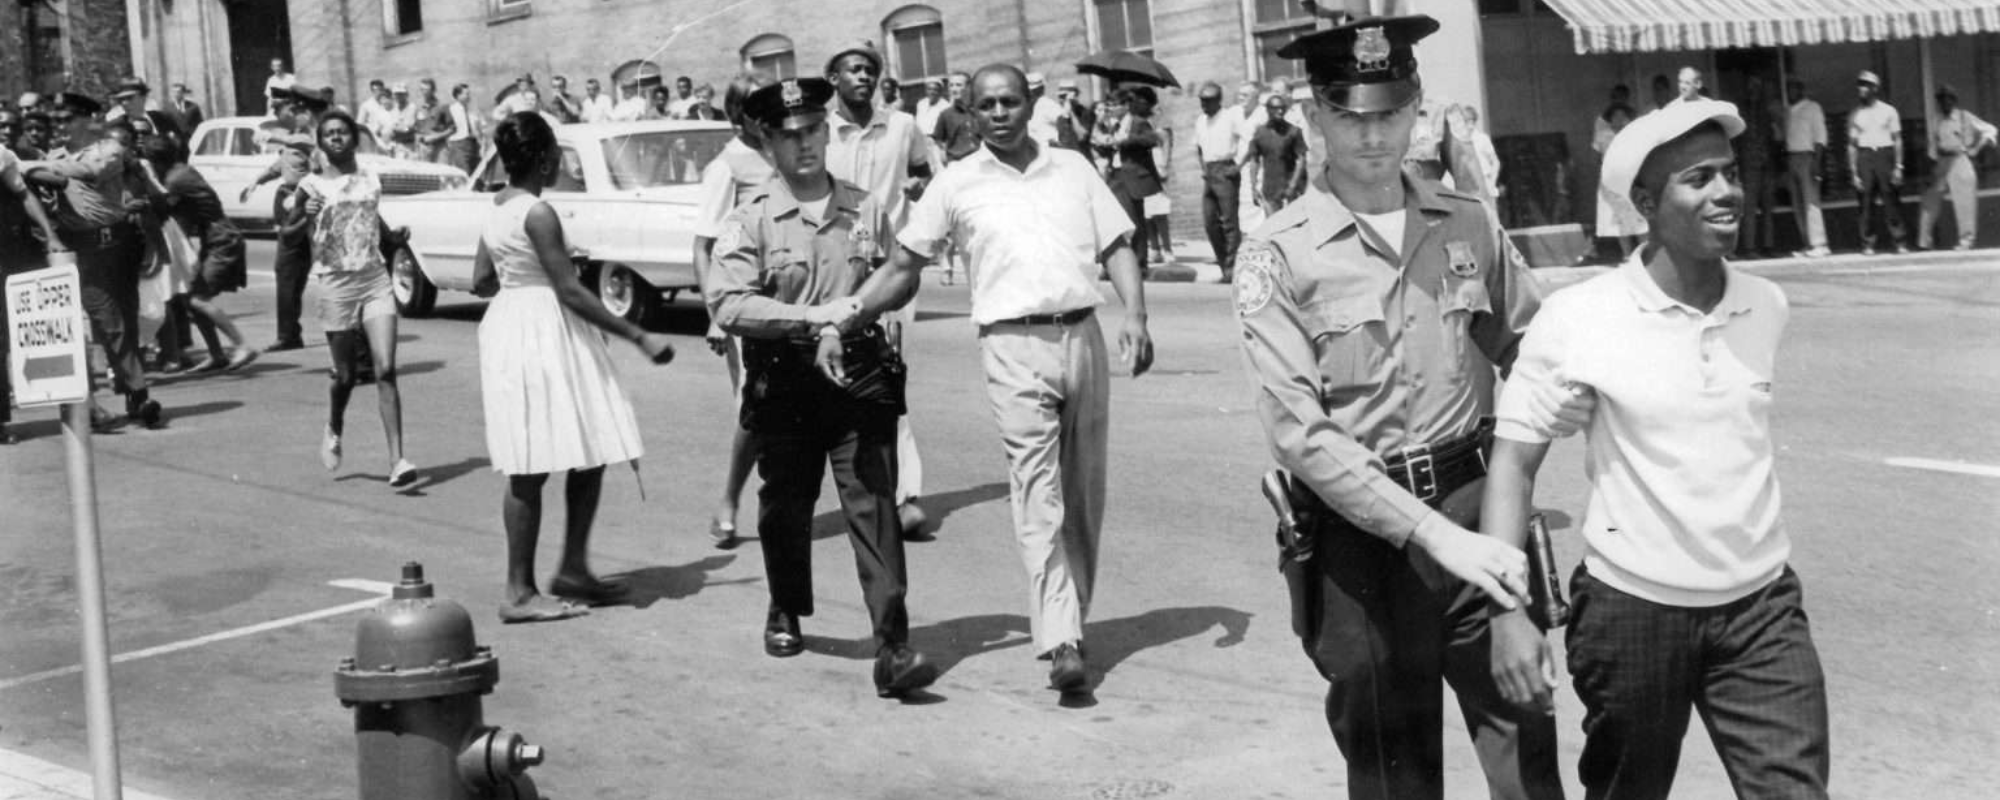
(46, 327)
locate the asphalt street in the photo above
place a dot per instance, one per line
(225, 520)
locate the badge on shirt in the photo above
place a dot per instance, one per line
(863, 237)
(731, 238)
(1459, 256)
(1256, 264)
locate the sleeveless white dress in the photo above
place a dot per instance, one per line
(552, 396)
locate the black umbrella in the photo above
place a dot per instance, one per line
(1125, 66)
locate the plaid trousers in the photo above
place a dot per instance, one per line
(1748, 666)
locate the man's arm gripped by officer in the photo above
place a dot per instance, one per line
(1001, 110)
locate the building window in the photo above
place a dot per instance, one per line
(771, 54)
(403, 17)
(1278, 22)
(1126, 25)
(916, 37)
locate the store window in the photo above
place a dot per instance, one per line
(916, 40)
(1125, 25)
(1278, 22)
(403, 17)
(771, 54)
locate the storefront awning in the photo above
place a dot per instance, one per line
(1629, 25)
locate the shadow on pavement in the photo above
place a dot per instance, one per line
(428, 477)
(945, 643)
(650, 585)
(938, 506)
(1107, 643)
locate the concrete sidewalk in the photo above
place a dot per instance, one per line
(24, 777)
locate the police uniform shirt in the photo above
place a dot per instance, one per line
(774, 261)
(1358, 352)
(95, 196)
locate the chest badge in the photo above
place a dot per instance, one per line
(1459, 256)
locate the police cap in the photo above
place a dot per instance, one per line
(1367, 65)
(79, 104)
(790, 104)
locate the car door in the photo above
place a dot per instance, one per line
(228, 156)
(445, 226)
(581, 197)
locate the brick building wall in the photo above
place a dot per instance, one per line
(97, 51)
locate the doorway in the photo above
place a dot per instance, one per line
(259, 30)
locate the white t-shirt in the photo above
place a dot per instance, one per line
(1389, 226)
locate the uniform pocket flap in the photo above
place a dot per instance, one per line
(1341, 314)
(1466, 294)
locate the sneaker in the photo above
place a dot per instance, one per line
(1900, 249)
(1867, 250)
(329, 450)
(403, 474)
(243, 356)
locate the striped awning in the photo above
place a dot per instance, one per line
(1629, 25)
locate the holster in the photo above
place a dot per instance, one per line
(783, 389)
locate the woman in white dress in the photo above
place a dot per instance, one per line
(552, 396)
(341, 206)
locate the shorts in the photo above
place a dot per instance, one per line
(223, 268)
(346, 299)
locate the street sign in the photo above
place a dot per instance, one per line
(46, 326)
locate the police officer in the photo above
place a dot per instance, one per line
(295, 160)
(1375, 309)
(93, 218)
(787, 264)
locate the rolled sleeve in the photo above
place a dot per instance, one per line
(929, 225)
(1537, 368)
(1517, 295)
(1279, 355)
(716, 198)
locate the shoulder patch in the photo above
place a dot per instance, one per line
(730, 238)
(1256, 277)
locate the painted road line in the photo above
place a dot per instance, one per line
(1960, 467)
(25, 777)
(373, 587)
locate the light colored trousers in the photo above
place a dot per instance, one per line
(1953, 174)
(1050, 386)
(1805, 198)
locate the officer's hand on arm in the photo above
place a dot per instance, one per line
(1568, 404)
(1495, 567)
(832, 356)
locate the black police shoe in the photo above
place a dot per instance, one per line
(146, 412)
(781, 635)
(900, 670)
(1067, 673)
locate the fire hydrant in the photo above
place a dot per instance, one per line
(414, 683)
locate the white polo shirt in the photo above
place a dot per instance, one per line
(1033, 236)
(1683, 506)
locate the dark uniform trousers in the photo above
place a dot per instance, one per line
(1391, 623)
(1875, 166)
(108, 265)
(1748, 666)
(1221, 183)
(820, 424)
(293, 267)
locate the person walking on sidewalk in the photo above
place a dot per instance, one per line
(1685, 599)
(1875, 157)
(787, 268)
(1805, 146)
(1957, 137)
(1219, 144)
(553, 399)
(339, 212)
(1037, 222)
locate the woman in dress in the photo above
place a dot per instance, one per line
(552, 396)
(193, 204)
(340, 208)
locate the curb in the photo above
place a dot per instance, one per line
(25, 777)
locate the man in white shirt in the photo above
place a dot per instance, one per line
(1219, 143)
(684, 98)
(881, 151)
(1956, 137)
(374, 113)
(1684, 599)
(280, 79)
(1044, 122)
(933, 103)
(1875, 158)
(596, 104)
(462, 145)
(1805, 144)
(1037, 221)
(632, 106)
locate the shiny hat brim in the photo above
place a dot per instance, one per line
(1369, 98)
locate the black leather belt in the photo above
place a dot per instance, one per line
(1065, 318)
(93, 239)
(1434, 469)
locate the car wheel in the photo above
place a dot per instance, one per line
(415, 294)
(625, 293)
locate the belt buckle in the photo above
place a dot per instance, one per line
(1421, 470)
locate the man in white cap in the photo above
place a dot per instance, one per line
(1875, 159)
(1045, 122)
(1684, 599)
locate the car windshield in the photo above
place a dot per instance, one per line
(661, 158)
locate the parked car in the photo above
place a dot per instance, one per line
(231, 155)
(627, 194)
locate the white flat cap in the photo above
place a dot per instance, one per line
(1629, 149)
(1036, 80)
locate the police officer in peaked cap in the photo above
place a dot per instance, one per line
(1378, 311)
(787, 265)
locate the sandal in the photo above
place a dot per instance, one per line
(540, 609)
(589, 591)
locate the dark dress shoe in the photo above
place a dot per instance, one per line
(781, 635)
(1067, 673)
(282, 345)
(148, 413)
(900, 670)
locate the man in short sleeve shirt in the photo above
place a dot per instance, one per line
(1375, 310)
(1037, 222)
(1875, 157)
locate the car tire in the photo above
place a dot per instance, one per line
(415, 294)
(624, 293)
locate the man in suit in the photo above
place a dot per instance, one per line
(186, 109)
